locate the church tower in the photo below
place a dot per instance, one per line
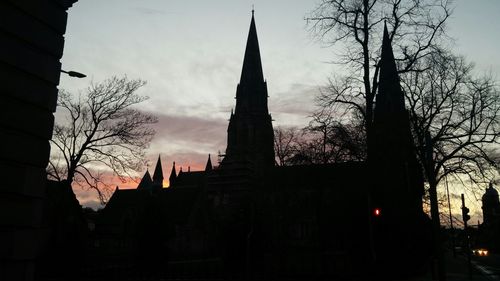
(397, 184)
(250, 137)
(391, 151)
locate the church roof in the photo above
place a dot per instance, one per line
(178, 203)
(190, 179)
(122, 203)
(146, 181)
(175, 205)
(314, 176)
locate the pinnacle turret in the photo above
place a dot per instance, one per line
(158, 173)
(173, 175)
(208, 167)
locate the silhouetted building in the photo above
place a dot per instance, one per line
(32, 41)
(491, 206)
(250, 218)
(148, 183)
(62, 254)
(489, 230)
(397, 184)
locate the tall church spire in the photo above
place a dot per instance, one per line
(250, 130)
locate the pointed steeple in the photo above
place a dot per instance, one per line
(390, 150)
(390, 98)
(251, 93)
(158, 173)
(208, 167)
(252, 65)
(146, 181)
(173, 175)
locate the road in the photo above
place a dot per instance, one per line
(488, 265)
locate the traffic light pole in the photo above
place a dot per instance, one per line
(466, 217)
(451, 221)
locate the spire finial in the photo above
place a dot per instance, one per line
(253, 10)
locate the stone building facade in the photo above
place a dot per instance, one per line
(32, 41)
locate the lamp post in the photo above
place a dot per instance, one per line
(74, 74)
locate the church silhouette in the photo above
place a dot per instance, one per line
(247, 218)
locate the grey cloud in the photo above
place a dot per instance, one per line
(189, 129)
(149, 11)
(297, 100)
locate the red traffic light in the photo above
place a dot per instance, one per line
(377, 212)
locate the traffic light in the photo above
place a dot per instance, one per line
(377, 212)
(465, 214)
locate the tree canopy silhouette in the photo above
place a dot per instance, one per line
(460, 113)
(102, 134)
(416, 27)
(445, 97)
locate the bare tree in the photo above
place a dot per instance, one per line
(332, 141)
(286, 141)
(324, 140)
(417, 29)
(460, 114)
(356, 26)
(103, 133)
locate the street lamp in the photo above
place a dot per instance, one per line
(74, 74)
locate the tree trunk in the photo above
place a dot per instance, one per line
(438, 260)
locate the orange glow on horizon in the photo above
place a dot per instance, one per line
(88, 197)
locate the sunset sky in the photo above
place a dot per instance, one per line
(191, 52)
